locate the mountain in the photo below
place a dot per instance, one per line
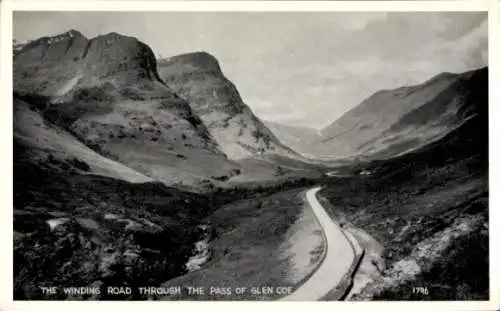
(412, 117)
(106, 92)
(198, 78)
(467, 136)
(429, 205)
(296, 137)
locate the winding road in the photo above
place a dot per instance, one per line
(337, 262)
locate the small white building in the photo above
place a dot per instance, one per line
(365, 173)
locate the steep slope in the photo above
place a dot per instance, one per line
(440, 116)
(296, 137)
(106, 91)
(429, 207)
(467, 140)
(198, 78)
(45, 142)
(396, 120)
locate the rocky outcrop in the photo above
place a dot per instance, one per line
(45, 65)
(198, 78)
(77, 230)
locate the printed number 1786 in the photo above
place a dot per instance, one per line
(420, 290)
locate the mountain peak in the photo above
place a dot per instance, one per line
(68, 35)
(198, 79)
(115, 36)
(200, 60)
(124, 59)
(74, 33)
(441, 76)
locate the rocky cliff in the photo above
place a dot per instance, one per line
(198, 78)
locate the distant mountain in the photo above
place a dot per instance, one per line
(107, 93)
(296, 137)
(392, 122)
(198, 78)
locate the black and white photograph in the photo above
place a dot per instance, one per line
(250, 156)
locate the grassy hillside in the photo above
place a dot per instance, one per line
(392, 122)
(42, 139)
(269, 240)
(428, 208)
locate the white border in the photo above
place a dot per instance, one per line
(289, 6)
(6, 241)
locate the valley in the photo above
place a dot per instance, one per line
(142, 172)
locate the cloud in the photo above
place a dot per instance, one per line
(388, 52)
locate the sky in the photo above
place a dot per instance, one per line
(296, 68)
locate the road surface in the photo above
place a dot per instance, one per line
(336, 174)
(338, 260)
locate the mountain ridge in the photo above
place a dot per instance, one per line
(102, 56)
(364, 131)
